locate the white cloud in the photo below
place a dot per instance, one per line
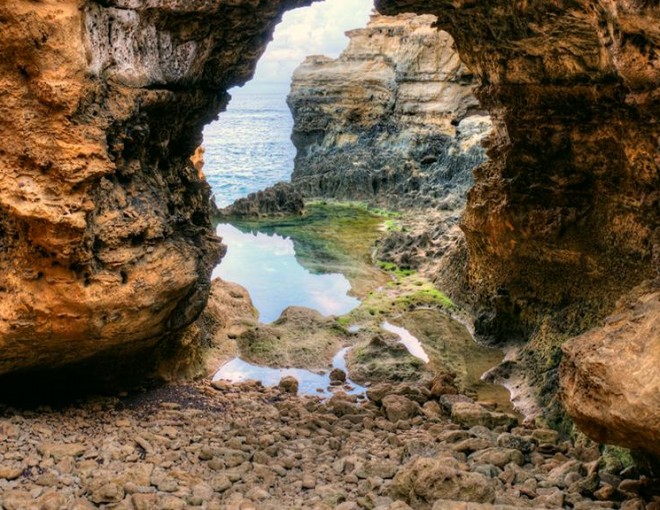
(315, 30)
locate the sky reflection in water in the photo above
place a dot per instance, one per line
(310, 383)
(411, 342)
(267, 267)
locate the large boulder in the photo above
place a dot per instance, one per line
(610, 377)
(425, 480)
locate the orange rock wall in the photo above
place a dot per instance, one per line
(568, 206)
(105, 237)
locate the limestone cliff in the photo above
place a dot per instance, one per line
(106, 246)
(394, 118)
(564, 218)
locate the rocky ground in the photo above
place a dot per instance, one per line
(221, 446)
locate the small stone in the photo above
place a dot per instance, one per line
(308, 481)
(144, 444)
(347, 505)
(499, 457)
(432, 409)
(8, 430)
(488, 470)
(378, 468)
(201, 493)
(554, 499)
(605, 493)
(167, 484)
(289, 384)
(47, 480)
(257, 494)
(83, 504)
(633, 504)
(52, 501)
(337, 377)
(144, 501)
(221, 483)
(399, 505)
(108, 493)
(16, 500)
(10, 473)
(398, 407)
(630, 487)
(472, 444)
(546, 436)
(171, 503)
(519, 443)
(58, 450)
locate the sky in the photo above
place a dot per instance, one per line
(315, 30)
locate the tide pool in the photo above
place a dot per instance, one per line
(310, 383)
(266, 265)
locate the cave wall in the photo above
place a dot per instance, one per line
(567, 207)
(106, 243)
(563, 220)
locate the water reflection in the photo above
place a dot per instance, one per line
(411, 343)
(310, 383)
(266, 266)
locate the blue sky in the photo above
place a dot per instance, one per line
(315, 30)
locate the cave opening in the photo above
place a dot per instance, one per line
(341, 144)
(249, 149)
(558, 221)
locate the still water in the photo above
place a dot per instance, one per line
(266, 265)
(409, 341)
(309, 383)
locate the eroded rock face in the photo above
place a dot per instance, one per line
(564, 216)
(282, 199)
(610, 378)
(105, 239)
(566, 208)
(394, 118)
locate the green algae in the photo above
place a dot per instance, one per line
(339, 237)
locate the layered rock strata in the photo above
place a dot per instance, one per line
(106, 245)
(393, 119)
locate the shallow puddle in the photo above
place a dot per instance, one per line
(266, 265)
(310, 383)
(411, 343)
(450, 345)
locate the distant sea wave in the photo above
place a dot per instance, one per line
(249, 147)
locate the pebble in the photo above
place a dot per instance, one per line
(245, 447)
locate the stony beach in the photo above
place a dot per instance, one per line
(221, 446)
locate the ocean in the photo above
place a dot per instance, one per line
(249, 147)
(247, 150)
